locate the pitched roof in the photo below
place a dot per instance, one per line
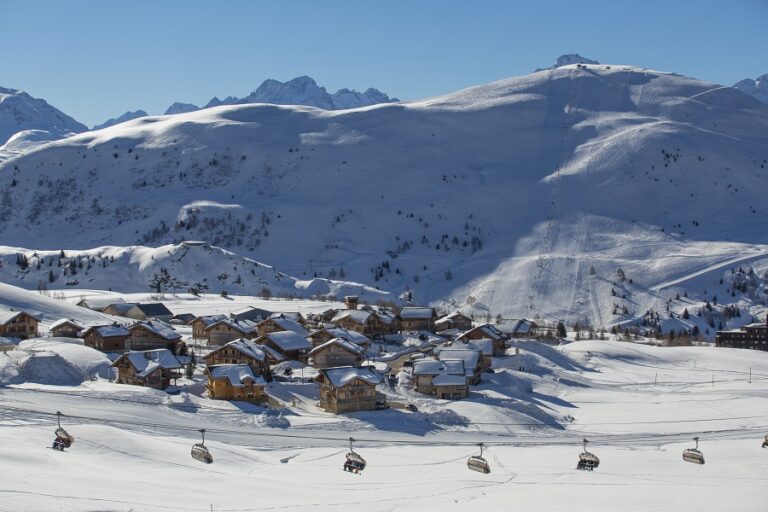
(237, 374)
(385, 316)
(64, 321)
(290, 315)
(163, 330)
(250, 313)
(154, 309)
(209, 319)
(288, 324)
(485, 346)
(99, 303)
(242, 326)
(341, 342)
(470, 357)
(340, 377)
(445, 379)
(356, 315)
(412, 313)
(108, 331)
(523, 327)
(9, 316)
(121, 308)
(248, 348)
(340, 332)
(449, 318)
(288, 340)
(147, 361)
(487, 330)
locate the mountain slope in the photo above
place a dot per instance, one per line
(19, 111)
(541, 185)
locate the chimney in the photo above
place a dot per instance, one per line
(351, 301)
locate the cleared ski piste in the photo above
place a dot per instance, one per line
(639, 405)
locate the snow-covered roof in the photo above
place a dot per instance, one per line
(341, 342)
(147, 361)
(485, 346)
(356, 315)
(290, 325)
(237, 374)
(340, 377)
(248, 348)
(99, 303)
(163, 330)
(288, 340)
(353, 336)
(121, 308)
(9, 316)
(272, 353)
(470, 357)
(242, 326)
(385, 316)
(250, 313)
(413, 313)
(523, 327)
(64, 321)
(108, 331)
(290, 315)
(487, 330)
(209, 319)
(153, 309)
(447, 379)
(428, 367)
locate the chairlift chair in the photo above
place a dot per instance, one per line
(693, 454)
(354, 462)
(478, 463)
(588, 461)
(63, 439)
(765, 441)
(200, 452)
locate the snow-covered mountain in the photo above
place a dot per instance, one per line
(19, 111)
(299, 91)
(757, 88)
(121, 119)
(522, 197)
(189, 266)
(568, 59)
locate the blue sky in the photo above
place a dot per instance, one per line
(97, 59)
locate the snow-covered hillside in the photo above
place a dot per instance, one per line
(189, 266)
(19, 111)
(121, 119)
(757, 88)
(522, 197)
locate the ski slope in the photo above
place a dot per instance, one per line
(639, 405)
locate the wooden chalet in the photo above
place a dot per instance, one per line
(250, 313)
(281, 324)
(65, 328)
(417, 319)
(348, 389)
(149, 368)
(18, 324)
(200, 323)
(289, 344)
(356, 320)
(456, 320)
(751, 336)
(337, 352)
(487, 332)
(241, 351)
(107, 338)
(235, 382)
(443, 379)
(99, 303)
(152, 334)
(227, 329)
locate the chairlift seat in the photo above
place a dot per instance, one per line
(765, 442)
(588, 461)
(693, 455)
(66, 439)
(201, 453)
(356, 458)
(479, 464)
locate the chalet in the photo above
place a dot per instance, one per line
(152, 334)
(149, 368)
(752, 336)
(417, 319)
(107, 338)
(385, 322)
(99, 303)
(291, 315)
(281, 324)
(240, 351)
(288, 343)
(455, 320)
(250, 313)
(337, 352)
(444, 379)
(226, 329)
(348, 389)
(355, 320)
(235, 382)
(182, 319)
(65, 328)
(524, 329)
(18, 324)
(471, 358)
(487, 332)
(485, 347)
(200, 323)
(155, 310)
(325, 334)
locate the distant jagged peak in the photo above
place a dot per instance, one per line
(128, 116)
(757, 88)
(19, 112)
(569, 59)
(181, 108)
